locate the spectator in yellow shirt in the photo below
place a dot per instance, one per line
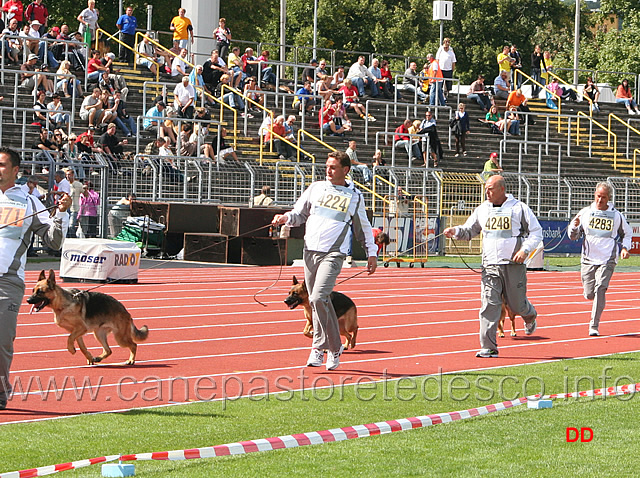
(504, 60)
(182, 29)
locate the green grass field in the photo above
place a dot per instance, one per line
(515, 442)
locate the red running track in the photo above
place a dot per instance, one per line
(209, 339)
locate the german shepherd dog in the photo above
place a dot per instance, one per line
(343, 305)
(79, 312)
(503, 315)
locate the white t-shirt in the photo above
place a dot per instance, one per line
(178, 61)
(64, 186)
(183, 94)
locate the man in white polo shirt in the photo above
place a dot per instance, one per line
(184, 96)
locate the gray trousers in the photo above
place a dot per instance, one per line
(595, 280)
(320, 272)
(11, 294)
(498, 281)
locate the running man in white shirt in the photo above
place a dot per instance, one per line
(603, 228)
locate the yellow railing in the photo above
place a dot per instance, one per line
(374, 194)
(121, 43)
(635, 154)
(547, 92)
(564, 83)
(613, 116)
(316, 139)
(604, 128)
(298, 148)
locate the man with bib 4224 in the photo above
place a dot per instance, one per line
(510, 231)
(329, 208)
(603, 228)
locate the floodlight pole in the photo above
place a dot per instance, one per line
(576, 44)
(315, 28)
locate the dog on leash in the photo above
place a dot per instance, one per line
(503, 315)
(343, 305)
(79, 312)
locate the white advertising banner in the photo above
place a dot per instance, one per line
(99, 260)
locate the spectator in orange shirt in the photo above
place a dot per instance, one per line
(182, 29)
(516, 98)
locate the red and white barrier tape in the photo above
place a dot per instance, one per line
(316, 438)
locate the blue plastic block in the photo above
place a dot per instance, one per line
(118, 469)
(540, 404)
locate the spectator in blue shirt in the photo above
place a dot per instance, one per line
(304, 97)
(156, 111)
(127, 25)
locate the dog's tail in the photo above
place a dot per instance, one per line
(139, 334)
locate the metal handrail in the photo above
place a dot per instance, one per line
(281, 138)
(135, 58)
(570, 85)
(609, 134)
(635, 154)
(302, 134)
(544, 88)
(629, 128)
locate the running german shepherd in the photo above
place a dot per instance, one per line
(343, 305)
(503, 315)
(79, 312)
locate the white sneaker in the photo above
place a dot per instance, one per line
(593, 331)
(315, 358)
(530, 327)
(631, 112)
(333, 359)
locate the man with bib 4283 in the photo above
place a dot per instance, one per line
(603, 228)
(510, 232)
(329, 208)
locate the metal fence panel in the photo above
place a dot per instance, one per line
(626, 196)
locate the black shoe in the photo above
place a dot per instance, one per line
(3, 404)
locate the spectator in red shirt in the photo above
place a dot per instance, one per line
(37, 11)
(14, 9)
(95, 67)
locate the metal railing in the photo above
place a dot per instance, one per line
(629, 129)
(610, 134)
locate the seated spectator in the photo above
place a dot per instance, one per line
(13, 46)
(225, 150)
(232, 98)
(285, 151)
(357, 165)
(303, 99)
(264, 198)
(501, 85)
(360, 77)
(350, 97)
(68, 85)
(32, 44)
(377, 159)
(56, 117)
(95, 67)
(250, 63)
(184, 97)
(268, 76)
(28, 77)
(156, 111)
(411, 82)
(555, 89)
(478, 93)
(178, 66)
(111, 145)
(340, 118)
(493, 119)
(323, 88)
(403, 140)
(147, 55)
(196, 80)
(87, 139)
(382, 83)
(251, 89)
(415, 142)
(213, 69)
(40, 119)
(624, 95)
(123, 120)
(43, 143)
(593, 93)
(387, 77)
(337, 80)
(46, 47)
(309, 73)
(77, 52)
(511, 121)
(516, 98)
(188, 147)
(110, 114)
(326, 120)
(322, 69)
(235, 67)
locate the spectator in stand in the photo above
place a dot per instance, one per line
(14, 10)
(410, 82)
(547, 67)
(127, 25)
(249, 63)
(360, 76)
(321, 69)
(402, 140)
(156, 111)
(147, 54)
(56, 117)
(178, 66)
(624, 95)
(340, 117)
(415, 141)
(75, 187)
(111, 145)
(493, 119)
(285, 151)
(13, 46)
(91, 108)
(77, 52)
(434, 73)
(196, 80)
(213, 69)
(268, 76)
(504, 60)
(44, 144)
(232, 98)
(357, 165)
(95, 67)
(40, 119)
(184, 97)
(109, 112)
(387, 76)
(182, 29)
(31, 43)
(512, 121)
(88, 211)
(516, 98)
(251, 88)
(225, 150)
(377, 159)
(479, 94)
(235, 65)
(536, 70)
(516, 65)
(323, 88)
(88, 21)
(326, 120)
(123, 120)
(428, 129)
(564, 93)
(502, 86)
(447, 60)
(222, 36)
(491, 166)
(382, 83)
(338, 78)
(350, 97)
(309, 73)
(460, 130)
(28, 76)
(593, 93)
(264, 198)
(37, 11)
(304, 98)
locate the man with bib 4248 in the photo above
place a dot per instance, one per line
(603, 228)
(329, 208)
(510, 231)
